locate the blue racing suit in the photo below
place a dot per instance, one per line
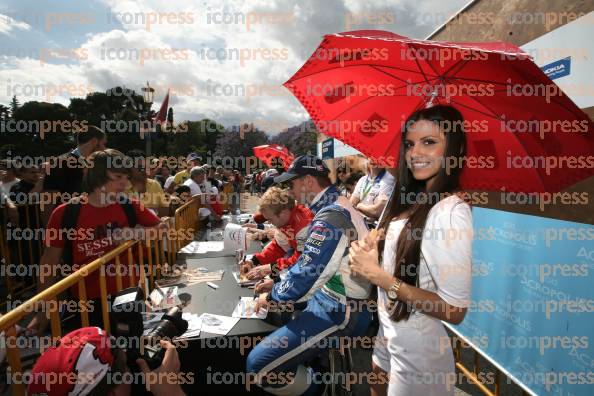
(321, 277)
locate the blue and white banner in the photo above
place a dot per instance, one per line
(334, 148)
(328, 149)
(565, 55)
(558, 69)
(533, 300)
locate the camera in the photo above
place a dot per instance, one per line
(126, 317)
(171, 325)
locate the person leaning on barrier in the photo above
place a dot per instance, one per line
(30, 184)
(192, 160)
(291, 221)
(197, 181)
(86, 363)
(206, 192)
(26, 193)
(85, 229)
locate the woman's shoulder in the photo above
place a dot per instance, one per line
(453, 208)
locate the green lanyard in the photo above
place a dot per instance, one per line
(367, 189)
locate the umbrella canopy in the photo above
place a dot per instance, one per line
(361, 86)
(268, 152)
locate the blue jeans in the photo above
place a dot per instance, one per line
(277, 363)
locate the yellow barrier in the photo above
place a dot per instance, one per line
(186, 222)
(11, 318)
(473, 373)
(158, 253)
(227, 194)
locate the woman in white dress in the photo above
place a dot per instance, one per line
(431, 283)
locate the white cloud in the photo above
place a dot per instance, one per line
(8, 24)
(29, 79)
(224, 60)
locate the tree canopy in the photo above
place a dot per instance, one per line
(123, 115)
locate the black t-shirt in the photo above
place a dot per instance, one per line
(67, 176)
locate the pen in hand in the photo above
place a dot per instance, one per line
(256, 294)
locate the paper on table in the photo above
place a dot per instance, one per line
(217, 324)
(165, 297)
(194, 325)
(190, 277)
(245, 305)
(201, 247)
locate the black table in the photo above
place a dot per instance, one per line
(221, 301)
(213, 358)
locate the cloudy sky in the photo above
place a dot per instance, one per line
(222, 59)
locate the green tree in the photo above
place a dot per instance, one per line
(118, 112)
(14, 105)
(194, 136)
(49, 129)
(4, 112)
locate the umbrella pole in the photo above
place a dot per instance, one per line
(379, 221)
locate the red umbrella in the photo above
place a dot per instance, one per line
(360, 87)
(268, 152)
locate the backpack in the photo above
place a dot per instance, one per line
(70, 218)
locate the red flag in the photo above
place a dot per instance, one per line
(162, 114)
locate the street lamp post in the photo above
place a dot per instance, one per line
(148, 93)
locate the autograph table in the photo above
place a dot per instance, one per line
(217, 361)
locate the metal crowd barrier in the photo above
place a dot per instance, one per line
(473, 373)
(11, 318)
(158, 253)
(226, 196)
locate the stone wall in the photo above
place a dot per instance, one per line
(519, 22)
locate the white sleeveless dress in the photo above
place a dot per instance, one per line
(417, 352)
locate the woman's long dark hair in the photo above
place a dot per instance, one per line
(411, 195)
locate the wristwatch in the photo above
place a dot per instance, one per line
(393, 291)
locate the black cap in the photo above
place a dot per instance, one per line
(305, 165)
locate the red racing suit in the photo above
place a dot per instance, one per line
(290, 238)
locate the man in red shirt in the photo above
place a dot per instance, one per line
(291, 221)
(100, 225)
